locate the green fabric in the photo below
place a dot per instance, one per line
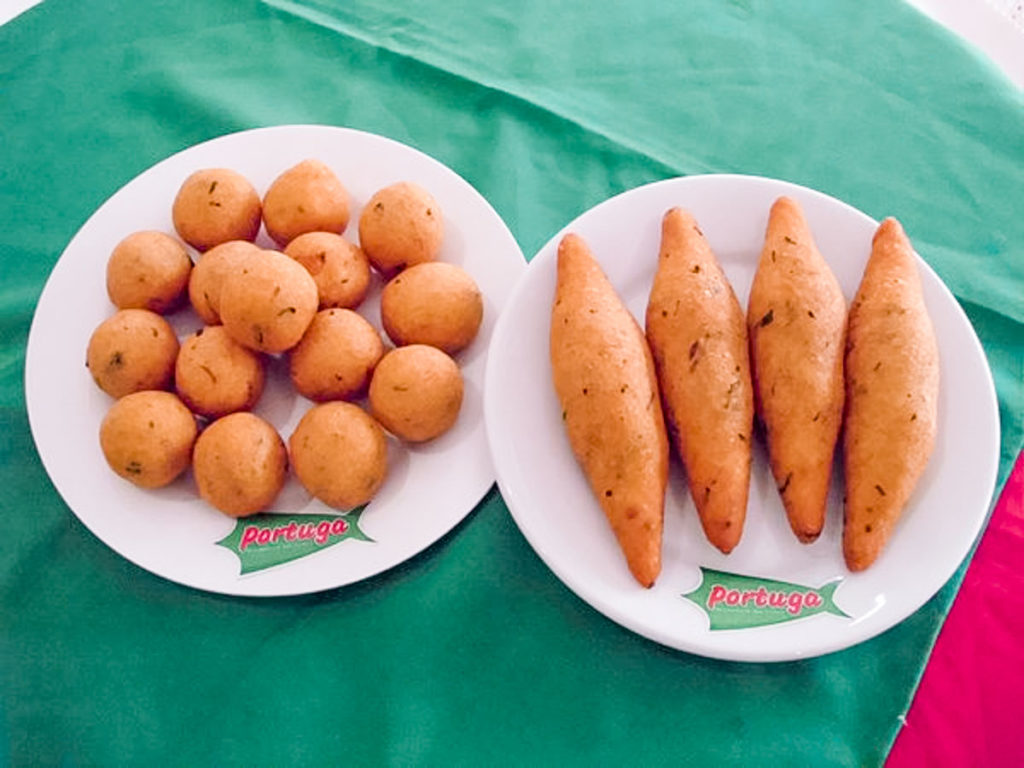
(473, 652)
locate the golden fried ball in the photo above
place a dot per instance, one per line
(336, 357)
(340, 269)
(132, 351)
(401, 225)
(147, 438)
(215, 267)
(306, 198)
(416, 392)
(434, 303)
(339, 454)
(148, 270)
(269, 303)
(215, 375)
(240, 464)
(216, 205)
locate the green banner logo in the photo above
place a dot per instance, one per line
(734, 601)
(269, 539)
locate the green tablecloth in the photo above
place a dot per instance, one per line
(473, 652)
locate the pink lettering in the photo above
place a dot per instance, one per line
(248, 537)
(796, 600)
(320, 533)
(323, 532)
(716, 595)
(793, 603)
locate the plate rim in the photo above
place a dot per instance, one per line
(512, 495)
(34, 342)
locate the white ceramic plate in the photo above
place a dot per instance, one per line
(552, 504)
(170, 531)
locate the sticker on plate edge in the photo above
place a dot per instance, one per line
(735, 601)
(268, 539)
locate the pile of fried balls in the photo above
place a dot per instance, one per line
(188, 403)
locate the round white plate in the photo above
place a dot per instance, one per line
(170, 531)
(551, 501)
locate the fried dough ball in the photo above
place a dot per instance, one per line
(401, 225)
(269, 302)
(339, 454)
(306, 198)
(336, 357)
(216, 205)
(340, 269)
(215, 375)
(416, 392)
(240, 464)
(434, 303)
(132, 351)
(148, 270)
(215, 267)
(147, 438)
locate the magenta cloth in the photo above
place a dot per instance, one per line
(968, 708)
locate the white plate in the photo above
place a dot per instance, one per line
(171, 532)
(552, 504)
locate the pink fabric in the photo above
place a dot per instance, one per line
(968, 710)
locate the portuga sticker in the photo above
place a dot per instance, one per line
(265, 540)
(734, 601)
